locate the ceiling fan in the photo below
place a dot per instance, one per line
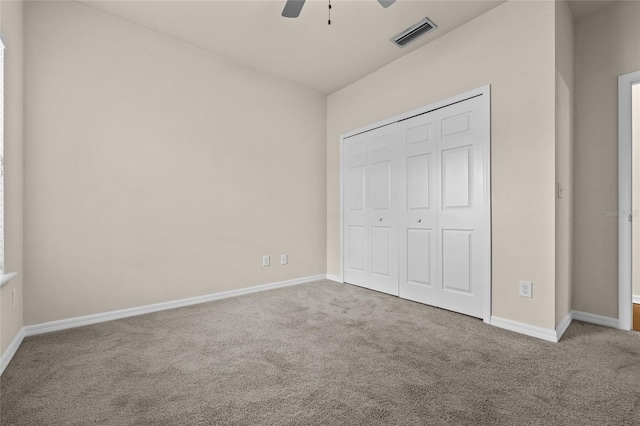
(293, 7)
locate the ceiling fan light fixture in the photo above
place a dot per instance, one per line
(292, 8)
(386, 3)
(413, 32)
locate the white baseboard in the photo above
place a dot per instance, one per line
(518, 327)
(636, 299)
(564, 324)
(48, 327)
(335, 278)
(11, 350)
(554, 335)
(596, 319)
(547, 334)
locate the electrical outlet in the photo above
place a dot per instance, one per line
(526, 289)
(266, 260)
(13, 298)
(284, 259)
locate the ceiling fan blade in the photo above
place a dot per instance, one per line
(292, 8)
(386, 3)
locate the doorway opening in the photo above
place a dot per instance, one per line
(635, 203)
(629, 201)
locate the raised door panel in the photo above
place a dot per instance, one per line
(380, 187)
(417, 182)
(381, 251)
(356, 189)
(458, 124)
(418, 261)
(356, 152)
(457, 274)
(418, 135)
(379, 144)
(457, 178)
(460, 276)
(356, 244)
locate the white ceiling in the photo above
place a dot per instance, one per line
(304, 50)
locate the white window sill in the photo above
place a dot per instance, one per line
(4, 278)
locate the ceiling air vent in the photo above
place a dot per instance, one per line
(413, 32)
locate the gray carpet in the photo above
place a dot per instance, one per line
(320, 353)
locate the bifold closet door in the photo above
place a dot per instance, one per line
(461, 206)
(442, 207)
(417, 203)
(370, 214)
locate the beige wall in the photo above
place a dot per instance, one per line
(11, 29)
(498, 48)
(156, 171)
(606, 46)
(146, 183)
(635, 143)
(564, 157)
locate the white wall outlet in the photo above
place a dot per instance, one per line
(284, 259)
(13, 298)
(266, 260)
(526, 289)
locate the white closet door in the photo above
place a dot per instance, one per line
(356, 218)
(460, 200)
(383, 219)
(417, 204)
(415, 214)
(441, 219)
(370, 213)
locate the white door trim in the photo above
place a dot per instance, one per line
(625, 82)
(486, 96)
(484, 91)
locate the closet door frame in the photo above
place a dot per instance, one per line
(485, 92)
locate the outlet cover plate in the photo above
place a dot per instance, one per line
(526, 289)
